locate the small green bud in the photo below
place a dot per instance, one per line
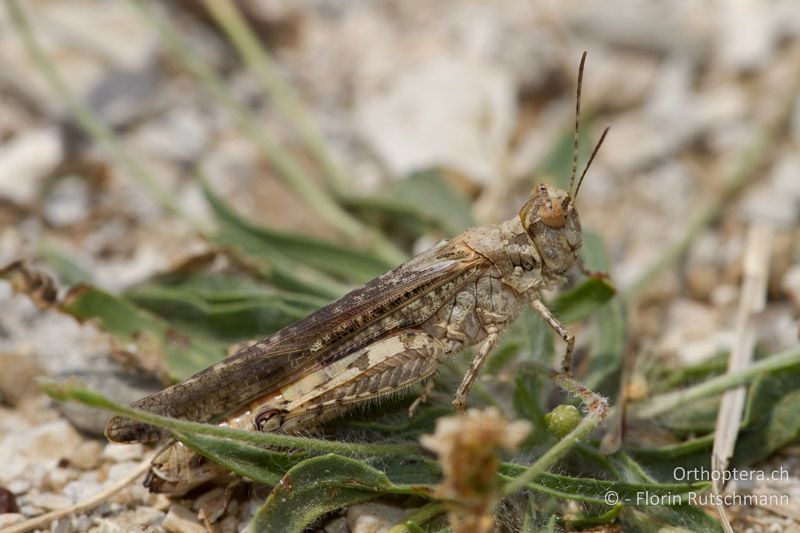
(562, 420)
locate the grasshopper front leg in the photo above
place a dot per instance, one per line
(563, 332)
(594, 402)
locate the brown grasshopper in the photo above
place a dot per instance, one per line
(385, 337)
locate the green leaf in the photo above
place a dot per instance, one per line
(608, 349)
(771, 415)
(225, 316)
(341, 261)
(527, 405)
(581, 301)
(318, 486)
(66, 391)
(594, 490)
(593, 252)
(418, 204)
(249, 461)
(584, 521)
(430, 194)
(68, 270)
(183, 353)
(675, 519)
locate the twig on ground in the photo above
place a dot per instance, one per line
(752, 302)
(81, 507)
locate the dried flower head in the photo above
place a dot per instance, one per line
(467, 448)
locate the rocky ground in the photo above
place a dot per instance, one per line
(702, 100)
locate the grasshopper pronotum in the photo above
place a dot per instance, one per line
(384, 337)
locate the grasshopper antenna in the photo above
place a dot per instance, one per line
(577, 125)
(594, 153)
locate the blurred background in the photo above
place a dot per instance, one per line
(131, 132)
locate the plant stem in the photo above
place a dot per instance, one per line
(753, 157)
(543, 463)
(259, 60)
(67, 392)
(91, 122)
(287, 167)
(664, 403)
(706, 214)
(422, 515)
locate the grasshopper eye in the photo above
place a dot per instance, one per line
(552, 214)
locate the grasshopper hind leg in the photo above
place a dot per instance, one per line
(385, 367)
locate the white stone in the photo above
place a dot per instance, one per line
(373, 517)
(181, 134)
(19, 486)
(777, 199)
(791, 284)
(181, 520)
(746, 34)
(68, 202)
(689, 326)
(337, 525)
(122, 452)
(9, 519)
(25, 160)
(48, 500)
(444, 111)
(52, 440)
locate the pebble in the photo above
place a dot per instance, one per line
(52, 440)
(791, 285)
(107, 379)
(48, 500)
(62, 525)
(17, 373)
(181, 134)
(778, 197)
(86, 455)
(19, 486)
(373, 517)
(338, 525)
(229, 524)
(212, 505)
(444, 111)
(67, 202)
(181, 520)
(81, 522)
(747, 34)
(119, 453)
(683, 28)
(25, 160)
(9, 519)
(688, 326)
(55, 479)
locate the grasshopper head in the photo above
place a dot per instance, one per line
(550, 218)
(552, 223)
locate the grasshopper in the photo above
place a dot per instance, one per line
(385, 337)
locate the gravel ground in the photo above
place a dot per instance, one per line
(690, 90)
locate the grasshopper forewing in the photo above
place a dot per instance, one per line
(382, 338)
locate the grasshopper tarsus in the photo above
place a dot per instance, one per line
(595, 274)
(422, 398)
(595, 403)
